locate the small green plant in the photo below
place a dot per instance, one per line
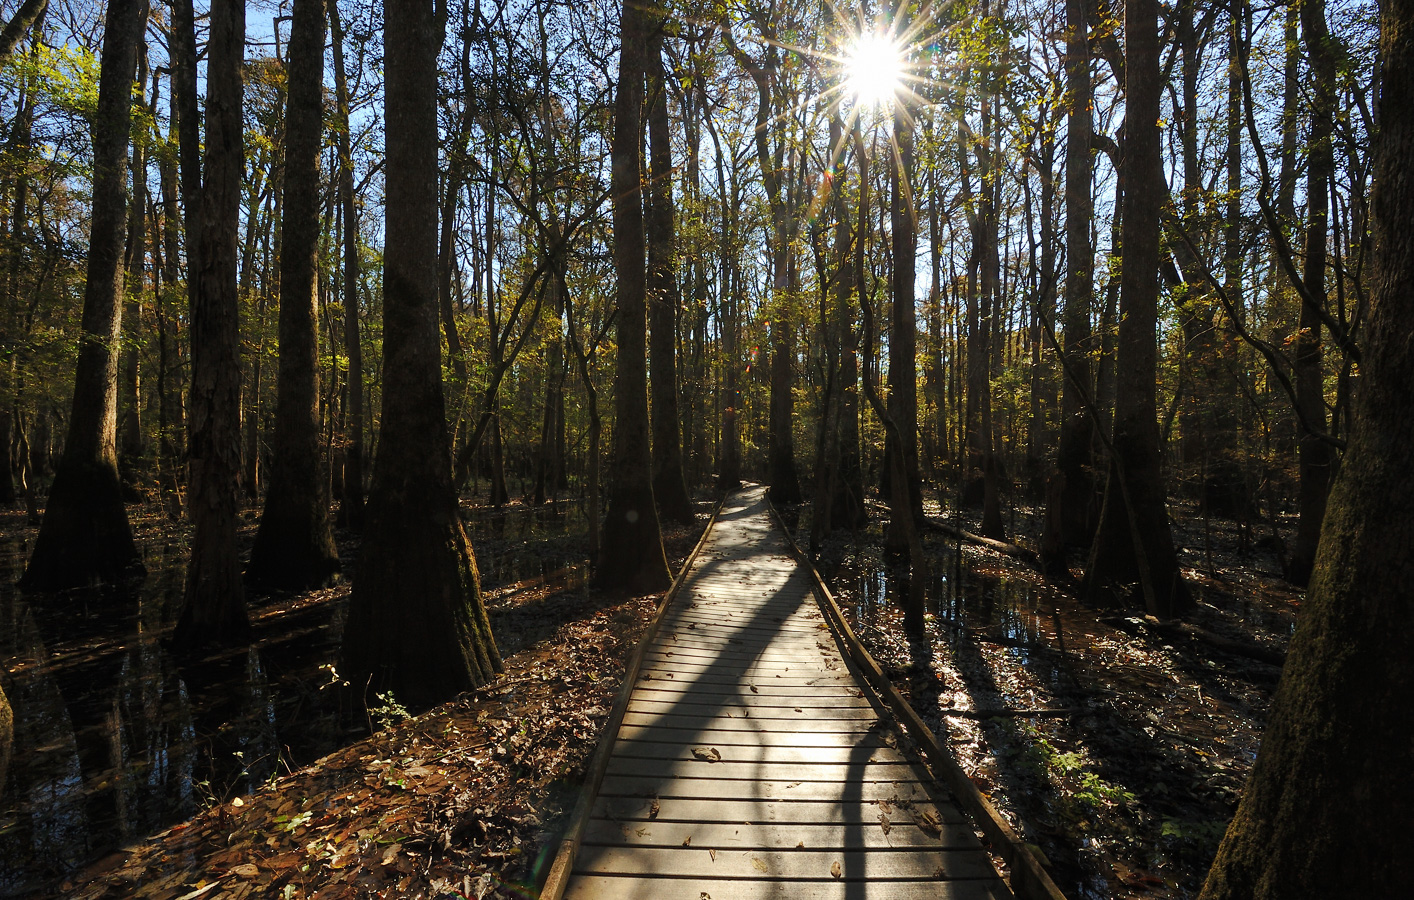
(389, 711)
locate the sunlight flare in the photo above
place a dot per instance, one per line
(874, 70)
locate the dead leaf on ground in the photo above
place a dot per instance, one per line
(687, 841)
(835, 869)
(707, 754)
(653, 810)
(758, 865)
(712, 853)
(884, 823)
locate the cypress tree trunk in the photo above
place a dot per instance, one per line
(294, 546)
(1134, 542)
(351, 504)
(213, 611)
(669, 485)
(132, 444)
(1325, 810)
(903, 336)
(85, 536)
(1071, 486)
(416, 624)
(631, 547)
(840, 494)
(1313, 454)
(549, 454)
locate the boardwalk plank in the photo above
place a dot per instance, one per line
(600, 887)
(751, 764)
(864, 812)
(795, 865)
(661, 832)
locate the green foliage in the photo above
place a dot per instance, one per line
(64, 77)
(389, 711)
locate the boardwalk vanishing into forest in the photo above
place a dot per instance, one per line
(753, 762)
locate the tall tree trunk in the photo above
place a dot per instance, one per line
(549, 454)
(213, 610)
(416, 623)
(669, 486)
(21, 136)
(1325, 809)
(351, 504)
(903, 334)
(132, 444)
(1071, 486)
(85, 536)
(294, 546)
(631, 547)
(843, 504)
(1314, 455)
(188, 123)
(1133, 541)
(169, 393)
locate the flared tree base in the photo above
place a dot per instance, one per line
(85, 538)
(416, 626)
(631, 550)
(294, 551)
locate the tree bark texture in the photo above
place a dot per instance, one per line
(1071, 488)
(1314, 455)
(1134, 542)
(903, 331)
(1325, 809)
(416, 623)
(294, 546)
(351, 503)
(213, 611)
(85, 536)
(631, 547)
(664, 298)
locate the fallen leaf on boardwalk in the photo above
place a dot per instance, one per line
(707, 754)
(757, 864)
(713, 854)
(705, 896)
(938, 873)
(753, 689)
(835, 869)
(687, 841)
(653, 810)
(928, 821)
(884, 823)
(800, 846)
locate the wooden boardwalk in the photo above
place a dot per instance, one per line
(751, 763)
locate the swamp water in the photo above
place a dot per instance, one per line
(114, 740)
